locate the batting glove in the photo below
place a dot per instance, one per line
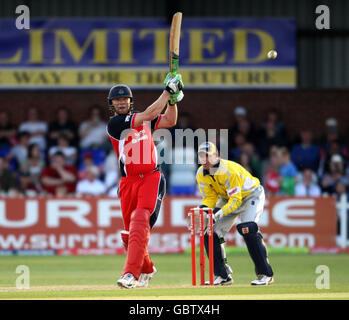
(168, 78)
(173, 84)
(176, 98)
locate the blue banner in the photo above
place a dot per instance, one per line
(85, 53)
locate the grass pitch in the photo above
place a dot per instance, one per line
(94, 277)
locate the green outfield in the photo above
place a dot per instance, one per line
(94, 277)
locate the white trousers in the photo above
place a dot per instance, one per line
(249, 211)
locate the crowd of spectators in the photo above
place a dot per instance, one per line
(291, 165)
(67, 158)
(57, 158)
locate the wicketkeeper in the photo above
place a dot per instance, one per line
(232, 192)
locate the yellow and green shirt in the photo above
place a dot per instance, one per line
(228, 180)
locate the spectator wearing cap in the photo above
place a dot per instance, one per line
(306, 154)
(307, 187)
(91, 185)
(240, 113)
(332, 130)
(337, 173)
(333, 135)
(332, 143)
(241, 125)
(36, 128)
(58, 174)
(334, 147)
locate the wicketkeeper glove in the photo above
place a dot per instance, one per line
(173, 84)
(217, 214)
(176, 98)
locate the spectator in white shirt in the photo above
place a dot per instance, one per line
(35, 127)
(93, 132)
(91, 185)
(306, 187)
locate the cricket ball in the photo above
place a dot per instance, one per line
(272, 54)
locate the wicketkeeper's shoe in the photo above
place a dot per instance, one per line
(219, 281)
(127, 281)
(262, 280)
(145, 277)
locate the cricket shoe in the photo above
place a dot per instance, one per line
(145, 277)
(262, 280)
(219, 281)
(127, 281)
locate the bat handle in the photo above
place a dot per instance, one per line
(173, 73)
(172, 102)
(174, 64)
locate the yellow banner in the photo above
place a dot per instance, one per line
(151, 78)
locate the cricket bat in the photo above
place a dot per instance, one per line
(175, 34)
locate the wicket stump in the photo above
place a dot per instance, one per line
(202, 245)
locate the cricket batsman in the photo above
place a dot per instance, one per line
(142, 186)
(232, 192)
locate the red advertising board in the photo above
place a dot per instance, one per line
(83, 225)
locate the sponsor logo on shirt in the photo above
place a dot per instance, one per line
(233, 191)
(139, 136)
(139, 139)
